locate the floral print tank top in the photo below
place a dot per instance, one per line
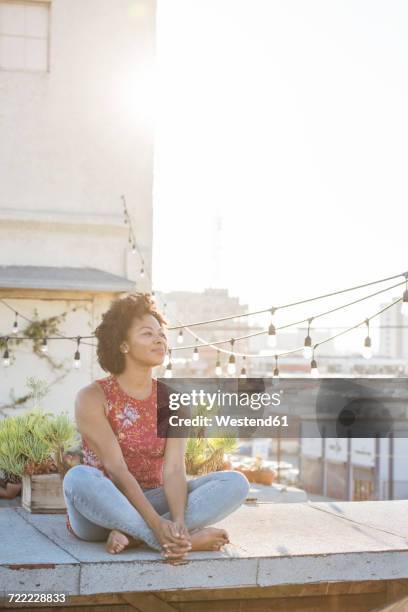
(135, 424)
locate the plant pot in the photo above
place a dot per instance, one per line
(43, 494)
(248, 473)
(264, 476)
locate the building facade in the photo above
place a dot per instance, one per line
(76, 131)
(183, 307)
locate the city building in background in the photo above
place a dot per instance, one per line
(393, 333)
(356, 469)
(183, 307)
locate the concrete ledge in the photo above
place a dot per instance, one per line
(271, 544)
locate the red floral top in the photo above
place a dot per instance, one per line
(134, 423)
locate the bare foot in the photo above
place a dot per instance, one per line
(209, 538)
(117, 541)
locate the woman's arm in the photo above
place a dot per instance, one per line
(174, 477)
(95, 427)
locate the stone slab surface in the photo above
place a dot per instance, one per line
(29, 561)
(391, 516)
(277, 493)
(271, 543)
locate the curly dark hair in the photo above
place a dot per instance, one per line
(116, 321)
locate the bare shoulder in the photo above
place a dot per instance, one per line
(90, 398)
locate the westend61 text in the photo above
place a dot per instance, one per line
(228, 421)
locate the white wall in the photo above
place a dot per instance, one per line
(65, 380)
(76, 138)
(72, 141)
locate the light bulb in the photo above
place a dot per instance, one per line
(307, 349)
(272, 336)
(367, 349)
(168, 373)
(133, 250)
(243, 373)
(44, 346)
(166, 359)
(314, 372)
(218, 369)
(77, 360)
(404, 305)
(231, 369)
(196, 356)
(141, 272)
(180, 338)
(307, 352)
(275, 377)
(15, 327)
(6, 358)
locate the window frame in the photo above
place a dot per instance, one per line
(47, 4)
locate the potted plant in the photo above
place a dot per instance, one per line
(10, 485)
(32, 447)
(204, 455)
(257, 473)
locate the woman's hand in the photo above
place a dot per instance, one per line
(173, 537)
(180, 530)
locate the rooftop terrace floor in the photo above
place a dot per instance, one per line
(296, 551)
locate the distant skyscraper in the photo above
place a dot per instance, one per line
(393, 333)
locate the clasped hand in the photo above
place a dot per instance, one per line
(174, 538)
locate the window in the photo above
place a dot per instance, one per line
(24, 28)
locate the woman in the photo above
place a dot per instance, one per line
(132, 487)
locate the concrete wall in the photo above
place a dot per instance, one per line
(73, 140)
(76, 138)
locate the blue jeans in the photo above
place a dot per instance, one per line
(96, 506)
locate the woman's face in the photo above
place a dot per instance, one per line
(146, 341)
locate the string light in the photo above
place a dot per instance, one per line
(31, 321)
(272, 330)
(307, 349)
(218, 368)
(167, 357)
(404, 305)
(367, 350)
(132, 237)
(251, 335)
(44, 346)
(231, 363)
(15, 324)
(275, 377)
(168, 373)
(180, 338)
(196, 356)
(243, 369)
(6, 355)
(300, 302)
(77, 356)
(231, 368)
(314, 372)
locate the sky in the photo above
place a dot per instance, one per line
(285, 125)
